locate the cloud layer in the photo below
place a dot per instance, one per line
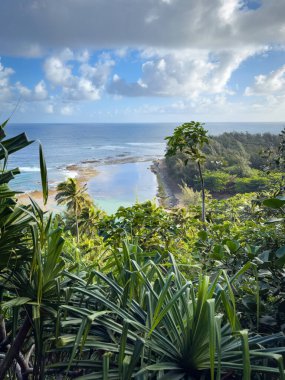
(30, 27)
(188, 51)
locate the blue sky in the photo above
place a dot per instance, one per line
(142, 60)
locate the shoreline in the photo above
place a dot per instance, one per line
(167, 192)
(84, 171)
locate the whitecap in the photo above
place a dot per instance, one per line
(70, 173)
(29, 169)
(111, 147)
(146, 144)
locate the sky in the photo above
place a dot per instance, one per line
(142, 60)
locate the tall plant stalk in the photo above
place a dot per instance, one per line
(203, 193)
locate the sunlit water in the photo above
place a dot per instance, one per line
(122, 185)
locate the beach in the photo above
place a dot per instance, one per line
(99, 176)
(82, 173)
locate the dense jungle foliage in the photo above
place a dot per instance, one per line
(146, 293)
(235, 163)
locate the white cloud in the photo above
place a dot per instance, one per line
(98, 73)
(273, 83)
(182, 73)
(40, 91)
(57, 72)
(5, 90)
(268, 94)
(22, 90)
(228, 9)
(82, 89)
(83, 56)
(66, 110)
(69, 77)
(12, 93)
(5, 73)
(215, 108)
(23, 93)
(90, 81)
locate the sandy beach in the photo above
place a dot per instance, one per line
(83, 173)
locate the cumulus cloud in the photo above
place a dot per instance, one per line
(23, 93)
(32, 27)
(57, 72)
(5, 90)
(40, 91)
(69, 77)
(273, 83)
(87, 84)
(182, 73)
(10, 92)
(268, 92)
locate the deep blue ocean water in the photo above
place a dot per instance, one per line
(66, 144)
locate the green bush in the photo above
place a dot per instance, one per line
(254, 183)
(189, 196)
(218, 181)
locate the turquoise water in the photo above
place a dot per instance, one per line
(122, 185)
(98, 144)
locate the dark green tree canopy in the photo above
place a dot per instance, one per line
(190, 139)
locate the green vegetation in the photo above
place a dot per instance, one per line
(75, 198)
(234, 163)
(146, 293)
(189, 139)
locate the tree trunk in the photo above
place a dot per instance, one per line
(3, 334)
(15, 347)
(76, 223)
(203, 193)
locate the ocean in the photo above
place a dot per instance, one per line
(121, 153)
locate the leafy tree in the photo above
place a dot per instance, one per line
(190, 138)
(275, 157)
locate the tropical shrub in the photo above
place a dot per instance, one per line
(170, 329)
(189, 196)
(219, 182)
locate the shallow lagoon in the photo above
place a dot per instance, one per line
(122, 185)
